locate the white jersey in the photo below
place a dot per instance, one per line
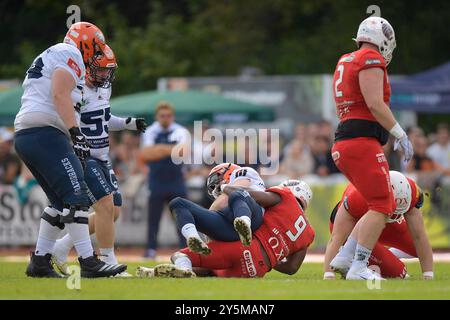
(37, 101)
(96, 121)
(256, 183)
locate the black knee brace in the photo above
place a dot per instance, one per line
(54, 221)
(75, 214)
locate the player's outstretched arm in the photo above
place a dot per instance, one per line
(292, 263)
(263, 198)
(424, 251)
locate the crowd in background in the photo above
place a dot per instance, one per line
(306, 153)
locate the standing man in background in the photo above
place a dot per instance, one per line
(166, 179)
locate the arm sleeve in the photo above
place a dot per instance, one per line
(70, 61)
(116, 123)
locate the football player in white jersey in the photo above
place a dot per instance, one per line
(96, 121)
(45, 126)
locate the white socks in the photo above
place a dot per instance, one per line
(189, 230)
(47, 234)
(246, 219)
(362, 255)
(62, 248)
(348, 250)
(108, 256)
(183, 262)
(80, 234)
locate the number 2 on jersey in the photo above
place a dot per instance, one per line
(337, 92)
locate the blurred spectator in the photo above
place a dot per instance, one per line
(440, 150)
(166, 179)
(393, 157)
(24, 183)
(421, 162)
(321, 153)
(297, 161)
(125, 155)
(9, 162)
(414, 133)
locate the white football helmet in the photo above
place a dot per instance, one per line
(402, 195)
(300, 189)
(378, 31)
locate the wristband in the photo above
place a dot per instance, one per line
(222, 186)
(428, 274)
(397, 131)
(328, 275)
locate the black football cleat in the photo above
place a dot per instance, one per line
(41, 267)
(93, 267)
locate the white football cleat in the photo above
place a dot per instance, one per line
(63, 267)
(144, 272)
(363, 274)
(198, 246)
(123, 274)
(244, 230)
(341, 265)
(172, 271)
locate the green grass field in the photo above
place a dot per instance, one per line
(306, 284)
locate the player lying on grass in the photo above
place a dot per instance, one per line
(280, 243)
(230, 218)
(404, 233)
(96, 122)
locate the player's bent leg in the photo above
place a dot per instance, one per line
(192, 218)
(245, 210)
(390, 266)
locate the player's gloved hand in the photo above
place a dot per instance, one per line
(138, 124)
(405, 146)
(80, 145)
(402, 141)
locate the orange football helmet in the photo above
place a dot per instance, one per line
(87, 38)
(217, 175)
(100, 71)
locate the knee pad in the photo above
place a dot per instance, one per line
(75, 214)
(52, 216)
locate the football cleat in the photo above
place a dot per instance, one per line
(123, 274)
(244, 231)
(172, 271)
(62, 267)
(362, 274)
(41, 267)
(144, 272)
(93, 267)
(341, 265)
(198, 246)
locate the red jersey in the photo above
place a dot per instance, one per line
(285, 229)
(357, 206)
(350, 103)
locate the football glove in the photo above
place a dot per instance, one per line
(80, 145)
(405, 145)
(138, 124)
